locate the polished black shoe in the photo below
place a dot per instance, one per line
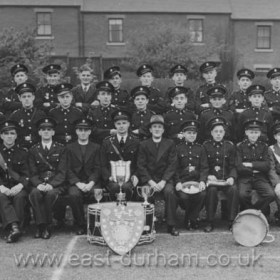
(46, 234)
(209, 228)
(188, 225)
(172, 230)
(38, 233)
(230, 226)
(14, 234)
(80, 231)
(194, 225)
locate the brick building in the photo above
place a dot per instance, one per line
(81, 28)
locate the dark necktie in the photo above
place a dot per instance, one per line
(122, 142)
(46, 149)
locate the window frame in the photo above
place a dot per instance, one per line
(45, 24)
(258, 38)
(120, 31)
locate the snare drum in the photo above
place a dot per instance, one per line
(94, 234)
(250, 228)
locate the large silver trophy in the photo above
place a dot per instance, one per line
(145, 192)
(120, 172)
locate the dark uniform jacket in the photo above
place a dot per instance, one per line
(86, 98)
(259, 114)
(83, 168)
(27, 119)
(221, 159)
(102, 122)
(46, 94)
(140, 120)
(274, 171)
(16, 160)
(272, 100)
(128, 151)
(65, 118)
(201, 97)
(190, 104)
(238, 100)
(174, 119)
(192, 163)
(156, 101)
(257, 154)
(121, 99)
(156, 163)
(47, 166)
(10, 102)
(207, 114)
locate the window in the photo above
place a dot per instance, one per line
(44, 26)
(263, 37)
(196, 30)
(115, 30)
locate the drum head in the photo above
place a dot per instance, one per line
(250, 228)
(190, 187)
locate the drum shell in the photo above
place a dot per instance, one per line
(94, 233)
(250, 228)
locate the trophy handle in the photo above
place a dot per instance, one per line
(138, 189)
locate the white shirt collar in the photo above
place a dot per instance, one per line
(120, 137)
(48, 145)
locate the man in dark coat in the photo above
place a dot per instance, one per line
(123, 146)
(156, 167)
(83, 171)
(47, 162)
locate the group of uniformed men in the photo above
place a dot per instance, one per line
(58, 140)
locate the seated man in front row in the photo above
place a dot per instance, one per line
(47, 163)
(13, 181)
(123, 146)
(156, 167)
(83, 172)
(253, 169)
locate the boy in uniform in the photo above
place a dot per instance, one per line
(120, 97)
(217, 101)
(11, 102)
(65, 115)
(192, 166)
(178, 113)
(101, 116)
(156, 100)
(258, 112)
(272, 96)
(238, 101)
(221, 160)
(46, 98)
(27, 116)
(140, 118)
(178, 74)
(253, 168)
(208, 71)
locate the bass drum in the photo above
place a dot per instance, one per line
(250, 228)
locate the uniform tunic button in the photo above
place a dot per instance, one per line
(141, 121)
(65, 126)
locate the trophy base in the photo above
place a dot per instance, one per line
(121, 199)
